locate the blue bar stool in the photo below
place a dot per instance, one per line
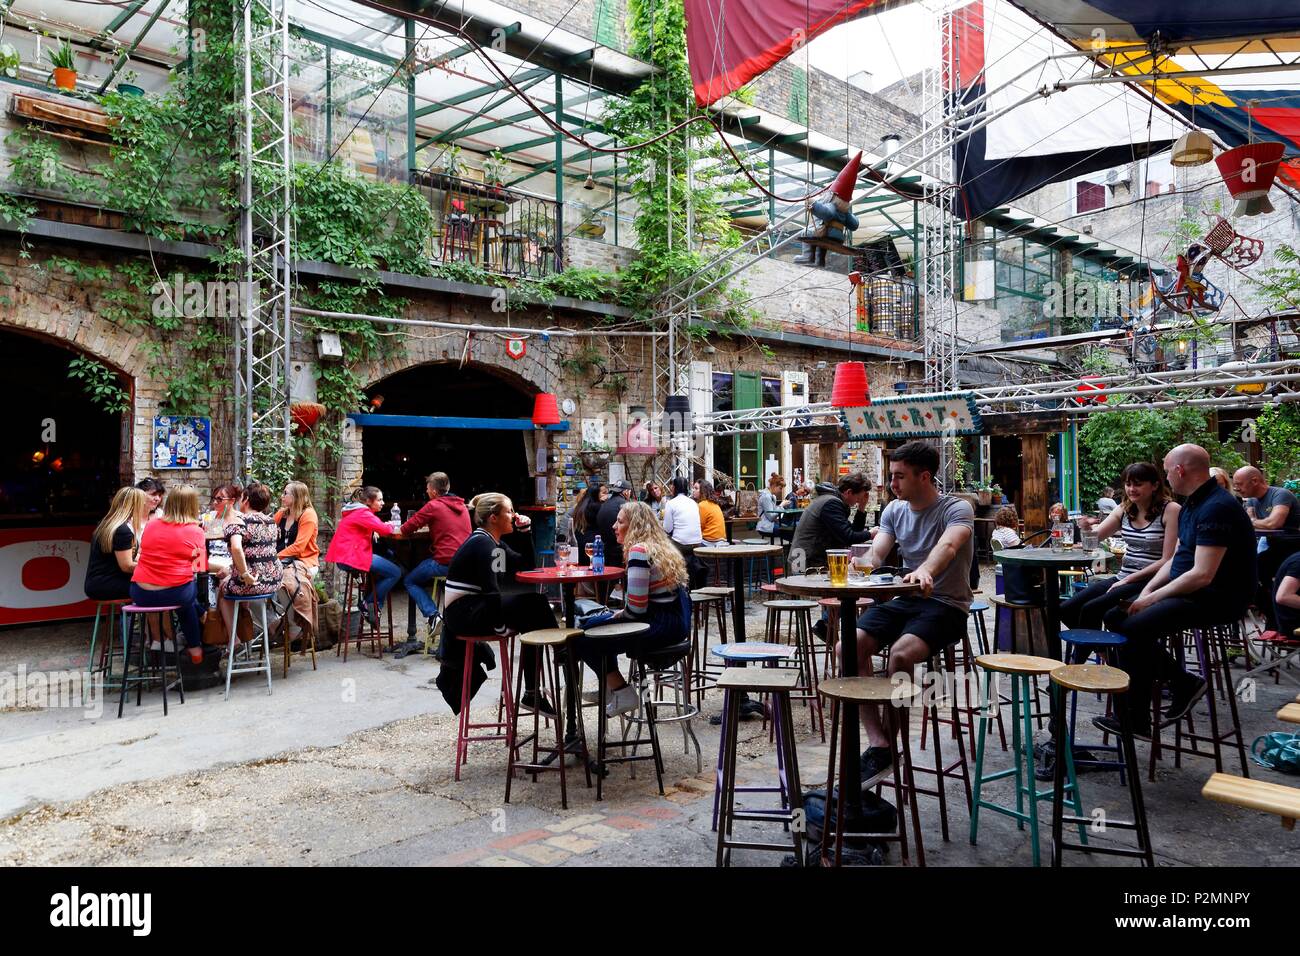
(1079, 645)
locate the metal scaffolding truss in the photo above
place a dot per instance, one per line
(266, 153)
(1208, 387)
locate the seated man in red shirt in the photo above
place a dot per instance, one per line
(448, 521)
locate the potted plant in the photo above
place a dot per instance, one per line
(127, 87)
(9, 60)
(495, 168)
(985, 492)
(64, 62)
(995, 493)
(451, 162)
(592, 225)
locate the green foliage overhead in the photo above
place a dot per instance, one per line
(100, 384)
(1110, 441)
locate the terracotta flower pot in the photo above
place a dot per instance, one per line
(64, 78)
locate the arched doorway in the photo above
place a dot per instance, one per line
(477, 458)
(72, 477)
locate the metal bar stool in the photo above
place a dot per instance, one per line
(895, 699)
(133, 614)
(248, 667)
(666, 669)
(1097, 679)
(1021, 668)
(777, 683)
(738, 656)
(798, 619)
(547, 670)
(357, 584)
(105, 664)
(502, 729)
(603, 744)
(1023, 638)
(439, 589)
(943, 665)
(1079, 644)
(832, 608)
(702, 602)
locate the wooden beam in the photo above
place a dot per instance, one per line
(1024, 423)
(1033, 483)
(816, 434)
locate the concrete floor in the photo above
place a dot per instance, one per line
(352, 764)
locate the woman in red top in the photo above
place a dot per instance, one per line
(172, 548)
(352, 546)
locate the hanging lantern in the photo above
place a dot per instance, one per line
(1193, 148)
(850, 388)
(677, 414)
(1248, 172)
(546, 411)
(304, 416)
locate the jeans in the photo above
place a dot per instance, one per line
(1144, 658)
(387, 574)
(669, 625)
(183, 595)
(417, 585)
(1087, 608)
(482, 614)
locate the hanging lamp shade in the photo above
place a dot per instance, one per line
(1090, 391)
(677, 414)
(850, 388)
(546, 411)
(1248, 172)
(1193, 148)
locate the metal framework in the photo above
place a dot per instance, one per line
(266, 154)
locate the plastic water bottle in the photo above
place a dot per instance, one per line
(395, 517)
(598, 556)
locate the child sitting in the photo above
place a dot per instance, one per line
(1007, 522)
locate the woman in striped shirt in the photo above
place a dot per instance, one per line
(1148, 521)
(656, 593)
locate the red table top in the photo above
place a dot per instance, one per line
(575, 573)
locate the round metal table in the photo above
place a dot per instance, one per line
(1050, 560)
(819, 586)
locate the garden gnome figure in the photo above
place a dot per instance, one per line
(833, 218)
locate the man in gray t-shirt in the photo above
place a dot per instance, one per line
(935, 537)
(1270, 509)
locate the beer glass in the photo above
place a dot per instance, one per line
(837, 566)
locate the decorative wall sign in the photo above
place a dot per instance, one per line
(516, 348)
(914, 416)
(180, 442)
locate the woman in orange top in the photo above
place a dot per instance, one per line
(298, 524)
(713, 527)
(172, 549)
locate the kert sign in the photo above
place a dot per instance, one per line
(914, 416)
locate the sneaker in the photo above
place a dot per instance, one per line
(1110, 725)
(877, 763)
(622, 701)
(591, 696)
(1184, 698)
(533, 701)
(819, 628)
(752, 708)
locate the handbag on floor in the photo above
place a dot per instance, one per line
(1280, 752)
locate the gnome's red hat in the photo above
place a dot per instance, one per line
(847, 179)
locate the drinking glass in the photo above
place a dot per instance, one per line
(590, 548)
(1067, 536)
(837, 567)
(563, 552)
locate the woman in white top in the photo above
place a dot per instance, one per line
(1148, 521)
(1006, 532)
(682, 524)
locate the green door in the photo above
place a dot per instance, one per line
(748, 446)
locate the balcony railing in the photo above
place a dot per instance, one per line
(502, 230)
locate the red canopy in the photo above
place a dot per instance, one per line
(729, 42)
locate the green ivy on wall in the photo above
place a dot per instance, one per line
(1277, 428)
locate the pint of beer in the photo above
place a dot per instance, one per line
(837, 564)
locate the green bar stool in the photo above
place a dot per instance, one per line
(104, 665)
(1022, 668)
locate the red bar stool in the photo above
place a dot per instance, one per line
(503, 727)
(359, 583)
(146, 672)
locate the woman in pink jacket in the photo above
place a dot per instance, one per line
(353, 547)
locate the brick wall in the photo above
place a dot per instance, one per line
(580, 253)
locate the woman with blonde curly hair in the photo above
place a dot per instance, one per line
(656, 594)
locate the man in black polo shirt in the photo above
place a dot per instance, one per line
(1209, 581)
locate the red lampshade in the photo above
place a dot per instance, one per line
(1087, 386)
(1248, 172)
(850, 388)
(545, 409)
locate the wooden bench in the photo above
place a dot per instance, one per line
(1290, 713)
(1255, 795)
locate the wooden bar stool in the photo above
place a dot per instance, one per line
(503, 727)
(1080, 643)
(133, 614)
(104, 665)
(894, 700)
(942, 664)
(1094, 679)
(258, 601)
(547, 671)
(439, 588)
(703, 603)
(1021, 668)
(777, 683)
(1025, 638)
(832, 607)
(603, 743)
(1211, 643)
(738, 656)
(796, 615)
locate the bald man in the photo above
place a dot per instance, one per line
(1275, 510)
(1209, 580)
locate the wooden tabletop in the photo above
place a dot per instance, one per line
(759, 679)
(1290, 713)
(738, 550)
(1046, 557)
(576, 572)
(819, 585)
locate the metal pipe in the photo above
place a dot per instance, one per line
(464, 327)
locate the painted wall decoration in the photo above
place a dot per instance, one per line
(43, 574)
(914, 416)
(180, 442)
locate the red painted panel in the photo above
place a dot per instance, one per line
(42, 572)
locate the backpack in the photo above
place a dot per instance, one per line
(878, 816)
(1280, 752)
